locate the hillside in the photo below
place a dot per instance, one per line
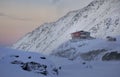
(14, 63)
(100, 17)
(89, 49)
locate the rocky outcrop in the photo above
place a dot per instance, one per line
(111, 56)
(92, 54)
(35, 67)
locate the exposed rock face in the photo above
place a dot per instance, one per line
(111, 56)
(88, 49)
(92, 54)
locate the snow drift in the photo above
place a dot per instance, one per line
(14, 63)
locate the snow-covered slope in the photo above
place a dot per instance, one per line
(91, 69)
(14, 63)
(88, 49)
(79, 68)
(100, 17)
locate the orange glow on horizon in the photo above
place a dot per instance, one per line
(18, 17)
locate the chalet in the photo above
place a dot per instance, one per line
(80, 35)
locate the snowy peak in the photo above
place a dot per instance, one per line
(100, 17)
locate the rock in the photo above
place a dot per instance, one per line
(60, 67)
(17, 62)
(84, 63)
(16, 56)
(29, 57)
(26, 67)
(56, 71)
(36, 67)
(111, 56)
(43, 57)
(92, 54)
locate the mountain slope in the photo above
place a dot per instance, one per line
(100, 17)
(89, 49)
(12, 63)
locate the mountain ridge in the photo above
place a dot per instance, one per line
(100, 17)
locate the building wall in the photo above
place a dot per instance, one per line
(77, 35)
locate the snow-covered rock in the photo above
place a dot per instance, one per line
(89, 49)
(14, 63)
(100, 17)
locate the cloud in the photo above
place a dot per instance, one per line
(15, 17)
(55, 1)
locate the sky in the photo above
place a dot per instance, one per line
(18, 17)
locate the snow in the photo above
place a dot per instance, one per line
(8, 69)
(75, 48)
(100, 17)
(98, 69)
(75, 68)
